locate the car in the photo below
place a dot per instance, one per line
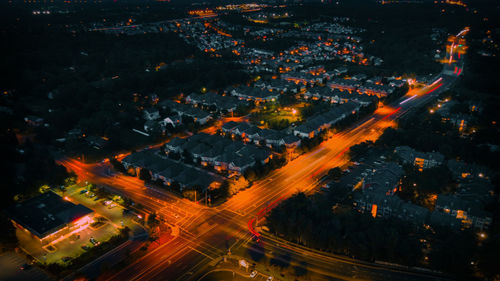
(25, 266)
(253, 274)
(97, 198)
(270, 278)
(83, 191)
(94, 242)
(66, 259)
(85, 247)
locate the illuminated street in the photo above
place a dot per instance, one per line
(207, 232)
(277, 140)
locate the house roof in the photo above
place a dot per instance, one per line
(289, 139)
(176, 142)
(230, 125)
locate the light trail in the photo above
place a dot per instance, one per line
(408, 99)
(435, 88)
(237, 216)
(392, 113)
(451, 52)
(437, 81)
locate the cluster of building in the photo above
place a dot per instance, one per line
(461, 120)
(359, 83)
(333, 28)
(267, 137)
(264, 17)
(207, 36)
(422, 160)
(223, 154)
(336, 96)
(318, 123)
(278, 85)
(177, 113)
(377, 182)
(169, 171)
(255, 94)
(221, 103)
(466, 207)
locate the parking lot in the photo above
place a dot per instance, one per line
(71, 246)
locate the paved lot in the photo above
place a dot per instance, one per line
(9, 269)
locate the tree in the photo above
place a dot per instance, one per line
(152, 220)
(144, 174)
(117, 165)
(335, 173)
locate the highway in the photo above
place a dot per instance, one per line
(208, 233)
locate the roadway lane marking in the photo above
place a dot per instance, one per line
(201, 253)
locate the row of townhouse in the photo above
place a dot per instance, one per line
(344, 84)
(321, 122)
(169, 171)
(154, 121)
(368, 88)
(373, 89)
(304, 78)
(222, 103)
(336, 96)
(279, 86)
(272, 138)
(198, 115)
(223, 154)
(254, 94)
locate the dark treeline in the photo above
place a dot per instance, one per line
(321, 222)
(310, 221)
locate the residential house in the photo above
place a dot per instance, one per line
(421, 160)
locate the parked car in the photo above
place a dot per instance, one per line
(25, 266)
(253, 274)
(94, 242)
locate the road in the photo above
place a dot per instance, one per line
(208, 233)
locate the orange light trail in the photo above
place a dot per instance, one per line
(392, 113)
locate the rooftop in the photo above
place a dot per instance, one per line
(44, 214)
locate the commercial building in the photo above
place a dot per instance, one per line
(48, 217)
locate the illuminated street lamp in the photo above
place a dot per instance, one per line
(482, 235)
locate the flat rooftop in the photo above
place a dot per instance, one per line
(45, 214)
